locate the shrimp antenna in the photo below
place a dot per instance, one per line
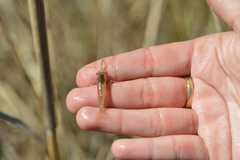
(102, 65)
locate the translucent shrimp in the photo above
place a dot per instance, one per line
(102, 86)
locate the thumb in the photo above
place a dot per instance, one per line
(228, 10)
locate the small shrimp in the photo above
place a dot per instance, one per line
(102, 86)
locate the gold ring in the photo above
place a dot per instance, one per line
(190, 88)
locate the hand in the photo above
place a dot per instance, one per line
(149, 95)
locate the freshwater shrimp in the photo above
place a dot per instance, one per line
(102, 86)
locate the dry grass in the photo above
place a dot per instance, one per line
(80, 32)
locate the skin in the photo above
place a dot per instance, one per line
(149, 95)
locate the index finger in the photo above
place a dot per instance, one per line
(172, 59)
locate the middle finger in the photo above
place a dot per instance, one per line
(141, 93)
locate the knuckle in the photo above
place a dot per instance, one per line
(194, 122)
(159, 124)
(147, 92)
(114, 68)
(120, 122)
(175, 148)
(148, 61)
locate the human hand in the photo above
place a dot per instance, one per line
(149, 95)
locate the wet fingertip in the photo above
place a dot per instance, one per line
(72, 101)
(86, 76)
(86, 117)
(119, 148)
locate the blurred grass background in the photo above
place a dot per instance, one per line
(80, 31)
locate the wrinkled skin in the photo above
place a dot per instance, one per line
(149, 95)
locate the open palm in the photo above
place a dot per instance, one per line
(149, 95)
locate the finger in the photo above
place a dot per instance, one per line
(164, 60)
(141, 93)
(147, 123)
(167, 147)
(229, 10)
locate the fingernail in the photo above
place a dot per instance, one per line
(86, 118)
(85, 73)
(88, 113)
(70, 102)
(78, 99)
(75, 100)
(119, 149)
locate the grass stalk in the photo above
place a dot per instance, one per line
(40, 41)
(156, 11)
